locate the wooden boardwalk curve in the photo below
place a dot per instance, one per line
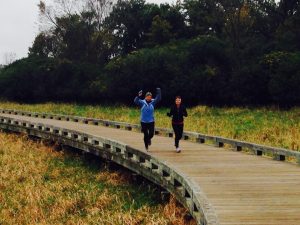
(243, 189)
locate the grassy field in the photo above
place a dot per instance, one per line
(269, 126)
(39, 185)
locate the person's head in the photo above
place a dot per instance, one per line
(148, 96)
(177, 100)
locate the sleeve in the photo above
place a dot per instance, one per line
(158, 96)
(171, 112)
(138, 101)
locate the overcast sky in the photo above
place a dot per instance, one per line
(19, 25)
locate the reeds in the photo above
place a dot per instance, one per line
(39, 185)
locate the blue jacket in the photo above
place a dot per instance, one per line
(147, 109)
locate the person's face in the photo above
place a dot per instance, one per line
(178, 101)
(148, 98)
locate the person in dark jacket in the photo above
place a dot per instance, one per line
(147, 114)
(177, 112)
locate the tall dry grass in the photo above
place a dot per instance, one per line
(39, 185)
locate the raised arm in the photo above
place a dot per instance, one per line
(158, 96)
(137, 99)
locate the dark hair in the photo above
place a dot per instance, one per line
(178, 96)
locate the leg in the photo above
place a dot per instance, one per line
(175, 128)
(178, 130)
(145, 131)
(151, 131)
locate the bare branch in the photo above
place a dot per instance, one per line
(101, 8)
(9, 57)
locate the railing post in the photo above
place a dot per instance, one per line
(279, 157)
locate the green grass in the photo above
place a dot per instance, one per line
(41, 186)
(269, 126)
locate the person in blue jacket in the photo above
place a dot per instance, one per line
(147, 114)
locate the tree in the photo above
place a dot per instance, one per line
(76, 31)
(197, 69)
(204, 16)
(101, 10)
(174, 15)
(36, 79)
(288, 33)
(128, 24)
(136, 24)
(160, 31)
(283, 69)
(44, 45)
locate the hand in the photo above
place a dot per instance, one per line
(140, 93)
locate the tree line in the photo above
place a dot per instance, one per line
(221, 52)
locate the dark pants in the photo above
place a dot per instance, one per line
(148, 130)
(178, 130)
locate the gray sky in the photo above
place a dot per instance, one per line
(19, 25)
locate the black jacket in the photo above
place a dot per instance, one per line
(177, 114)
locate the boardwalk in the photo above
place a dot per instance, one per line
(243, 189)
